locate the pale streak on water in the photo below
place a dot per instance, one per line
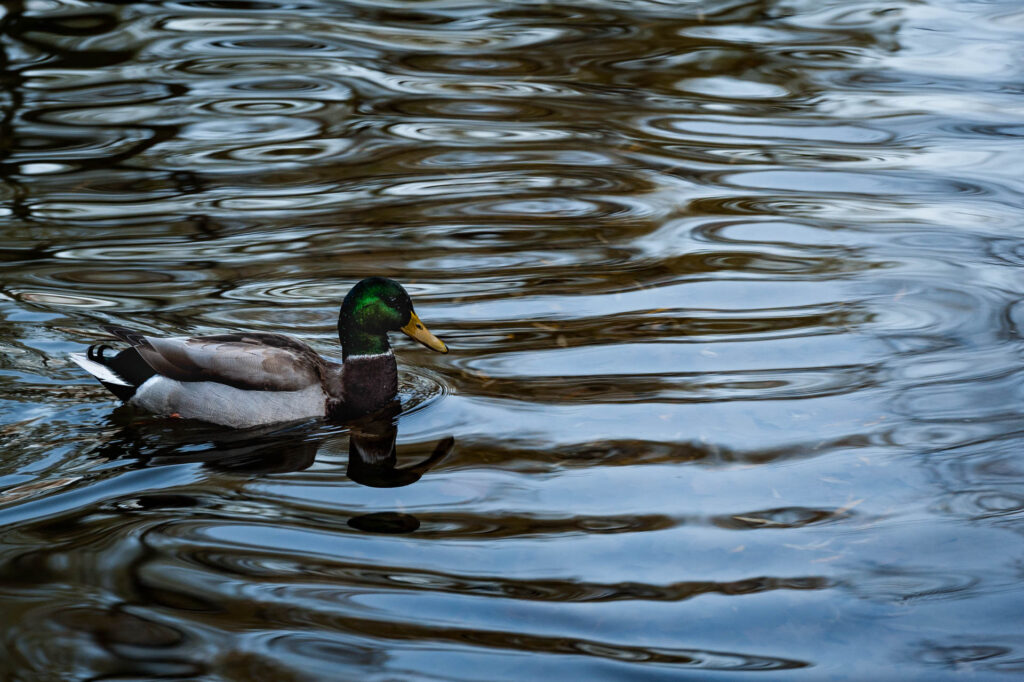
(733, 295)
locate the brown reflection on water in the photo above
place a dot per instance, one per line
(733, 296)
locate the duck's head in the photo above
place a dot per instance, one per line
(374, 307)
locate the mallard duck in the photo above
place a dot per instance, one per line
(248, 379)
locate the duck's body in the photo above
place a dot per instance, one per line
(220, 404)
(244, 380)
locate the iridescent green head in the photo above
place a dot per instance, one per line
(374, 307)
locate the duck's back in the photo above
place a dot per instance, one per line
(251, 361)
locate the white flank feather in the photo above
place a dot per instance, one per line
(101, 372)
(228, 406)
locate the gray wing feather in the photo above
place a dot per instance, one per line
(242, 361)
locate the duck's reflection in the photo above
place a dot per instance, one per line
(372, 447)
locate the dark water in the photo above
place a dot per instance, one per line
(733, 291)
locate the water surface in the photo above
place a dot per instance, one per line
(733, 295)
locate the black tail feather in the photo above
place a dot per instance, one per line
(123, 393)
(127, 364)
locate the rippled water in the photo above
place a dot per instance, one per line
(733, 295)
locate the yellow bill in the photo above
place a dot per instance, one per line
(417, 330)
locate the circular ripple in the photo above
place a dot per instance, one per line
(907, 584)
(473, 109)
(251, 129)
(301, 321)
(259, 107)
(477, 132)
(552, 208)
(292, 152)
(62, 299)
(783, 517)
(419, 389)
(496, 88)
(256, 68)
(503, 64)
(986, 504)
(121, 276)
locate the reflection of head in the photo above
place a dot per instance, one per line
(372, 456)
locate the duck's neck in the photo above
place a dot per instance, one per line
(368, 379)
(368, 383)
(358, 343)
